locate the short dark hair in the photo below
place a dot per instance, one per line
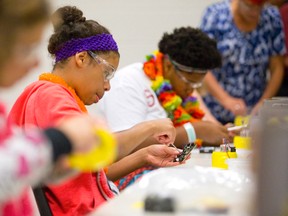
(191, 47)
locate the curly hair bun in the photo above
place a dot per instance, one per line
(67, 15)
(69, 23)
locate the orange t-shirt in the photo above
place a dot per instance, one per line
(42, 104)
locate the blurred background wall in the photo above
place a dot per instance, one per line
(136, 25)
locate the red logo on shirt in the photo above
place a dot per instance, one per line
(150, 98)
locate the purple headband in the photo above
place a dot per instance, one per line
(100, 42)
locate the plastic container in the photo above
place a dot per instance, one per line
(240, 165)
(244, 153)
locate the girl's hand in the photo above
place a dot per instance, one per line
(161, 156)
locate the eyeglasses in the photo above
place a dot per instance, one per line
(187, 69)
(109, 70)
(183, 78)
(191, 84)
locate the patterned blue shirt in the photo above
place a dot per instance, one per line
(245, 55)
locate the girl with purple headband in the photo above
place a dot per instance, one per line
(86, 58)
(31, 157)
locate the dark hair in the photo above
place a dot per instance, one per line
(69, 23)
(191, 47)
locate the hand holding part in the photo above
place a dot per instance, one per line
(185, 153)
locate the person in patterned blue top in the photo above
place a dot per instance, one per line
(250, 37)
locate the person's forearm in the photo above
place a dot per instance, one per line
(181, 138)
(129, 140)
(214, 88)
(209, 132)
(181, 134)
(126, 165)
(277, 71)
(286, 61)
(208, 115)
(147, 142)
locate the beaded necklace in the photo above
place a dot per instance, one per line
(59, 80)
(178, 110)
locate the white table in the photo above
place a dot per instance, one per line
(188, 184)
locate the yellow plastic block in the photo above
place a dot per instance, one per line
(241, 120)
(219, 159)
(242, 142)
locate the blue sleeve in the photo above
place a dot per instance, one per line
(209, 22)
(277, 32)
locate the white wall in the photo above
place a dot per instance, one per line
(137, 27)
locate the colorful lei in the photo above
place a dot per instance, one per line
(178, 110)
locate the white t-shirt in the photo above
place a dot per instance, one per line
(130, 99)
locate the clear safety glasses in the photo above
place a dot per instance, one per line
(109, 70)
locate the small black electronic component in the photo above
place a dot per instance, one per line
(207, 149)
(156, 203)
(185, 153)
